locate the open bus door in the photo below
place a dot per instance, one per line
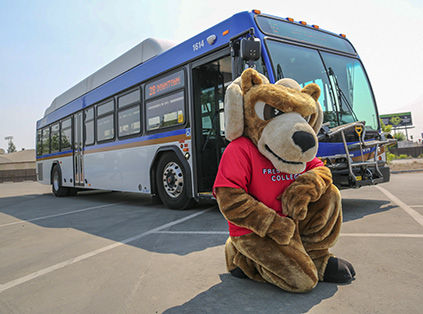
(210, 79)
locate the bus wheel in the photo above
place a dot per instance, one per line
(171, 183)
(56, 183)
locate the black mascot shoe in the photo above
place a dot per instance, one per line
(238, 273)
(338, 271)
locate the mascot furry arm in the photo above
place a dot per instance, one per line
(279, 200)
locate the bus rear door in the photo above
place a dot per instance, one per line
(78, 149)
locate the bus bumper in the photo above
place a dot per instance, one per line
(363, 177)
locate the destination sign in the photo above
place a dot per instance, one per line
(166, 84)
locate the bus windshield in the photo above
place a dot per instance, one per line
(345, 91)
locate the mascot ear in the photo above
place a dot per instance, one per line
(316, 119)
(249, 78)
(313, 90)
(234, 111)
(234, 104)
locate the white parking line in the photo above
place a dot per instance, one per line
(74, 260)
(61, 214)
(414, 214)
(363, 235)
(194, 232)
(382, 235)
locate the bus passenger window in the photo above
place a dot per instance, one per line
(66, 135)
(45, 141)
(129, 121)
(55, 138)
(105, 122)
(166, 111)
(39, 142)
(89, 126)
(129, 115)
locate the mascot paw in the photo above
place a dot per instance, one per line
(282, 230)
(338, 271)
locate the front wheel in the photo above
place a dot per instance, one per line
(56, 183)
(172, 183)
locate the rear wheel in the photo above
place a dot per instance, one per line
(56, 183)
(172, 183)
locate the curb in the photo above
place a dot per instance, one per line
(406, 171)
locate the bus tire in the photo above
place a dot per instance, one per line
(171, 182)
(56, 183)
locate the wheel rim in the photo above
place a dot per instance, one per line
(173, 179)
(56, 183)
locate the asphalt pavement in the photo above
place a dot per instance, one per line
(103, 252)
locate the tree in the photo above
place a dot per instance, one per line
(11, 148)
(385, 128)
(400, 136)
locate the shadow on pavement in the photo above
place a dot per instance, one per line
(235, 295)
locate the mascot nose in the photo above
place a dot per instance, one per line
(304, 140)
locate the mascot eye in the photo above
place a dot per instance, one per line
(266, 112)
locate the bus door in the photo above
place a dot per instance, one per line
(78, 149)
(210, 79)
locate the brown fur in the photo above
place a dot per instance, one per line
(290, 252)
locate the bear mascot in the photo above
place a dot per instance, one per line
(283, 211)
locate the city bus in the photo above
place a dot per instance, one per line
(152, 120)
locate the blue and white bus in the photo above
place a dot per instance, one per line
(151, 121)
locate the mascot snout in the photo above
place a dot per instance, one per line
(289, 142)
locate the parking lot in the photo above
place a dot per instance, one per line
(104, 252)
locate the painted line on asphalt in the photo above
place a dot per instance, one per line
(82, 257)
(193, 232)
(414, 214)
(382, 235)
(364, 235)
(61, 214)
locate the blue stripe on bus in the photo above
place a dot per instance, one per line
(70, 151)
(186, 132)
(332, 149)
(140, 139)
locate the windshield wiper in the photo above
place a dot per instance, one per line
(279, 72)
(341, 95)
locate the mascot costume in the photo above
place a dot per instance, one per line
(283, 211)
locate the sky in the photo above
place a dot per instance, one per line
(48, 46)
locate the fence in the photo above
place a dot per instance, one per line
(414, 151)
(17, 175)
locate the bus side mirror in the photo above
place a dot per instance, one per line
(250, 49)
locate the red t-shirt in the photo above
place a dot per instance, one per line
(243, 167)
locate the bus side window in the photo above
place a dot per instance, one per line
(39, 142)
(129, 114)
(66, 133)
(55, 138)
(89, 126)
(45, 145)
(106, 121)
(166, 111)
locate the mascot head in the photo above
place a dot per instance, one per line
(282, 119)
